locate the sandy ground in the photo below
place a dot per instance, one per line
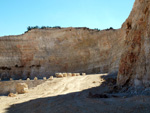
(70, 95)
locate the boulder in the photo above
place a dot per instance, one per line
(73, 74)
(59, 75)
(51, 78)
(11, 95)
(83, 74)
(35, 78)
(69, 74)
(11, 79)
(44, 78)
(28, 78)
(21, 88)
(64, 74)
(78, 74)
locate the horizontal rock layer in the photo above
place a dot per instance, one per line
(43, 52)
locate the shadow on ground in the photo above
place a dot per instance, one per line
(87, 101)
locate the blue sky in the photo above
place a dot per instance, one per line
(17, 15)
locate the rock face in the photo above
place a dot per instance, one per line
(134, 66)
(43, 52)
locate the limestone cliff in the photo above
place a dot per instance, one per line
(42, 52)
(134, 66)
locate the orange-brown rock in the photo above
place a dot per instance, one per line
(11, 95)
(134, 66)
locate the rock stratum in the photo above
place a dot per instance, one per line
(43, 52)
(134, 68)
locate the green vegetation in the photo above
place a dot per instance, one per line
(58, 27)
(111, 28)
(97, 29)
(43, 27)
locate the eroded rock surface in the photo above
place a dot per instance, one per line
(134, 66)
(43, 52)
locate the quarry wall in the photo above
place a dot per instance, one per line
(44, 52)
(134, 66)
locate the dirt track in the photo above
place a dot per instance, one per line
(70, 95)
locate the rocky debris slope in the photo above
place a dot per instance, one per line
(134, 66)
(43, 52)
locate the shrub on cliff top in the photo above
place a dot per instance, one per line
(43, 27)
(111, 28)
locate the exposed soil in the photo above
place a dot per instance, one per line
(79, 94)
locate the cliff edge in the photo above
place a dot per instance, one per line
(134, 68)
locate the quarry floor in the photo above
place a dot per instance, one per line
(71, 95)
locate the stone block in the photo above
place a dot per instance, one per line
(35, 78)
(11, 79)
(69, 74)
(59, 75)
(83, 74)
(44, 78)
(64, 74)
(11, 95)
(28, 79)
(73, 74)
(51, 78)
(21, 88)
